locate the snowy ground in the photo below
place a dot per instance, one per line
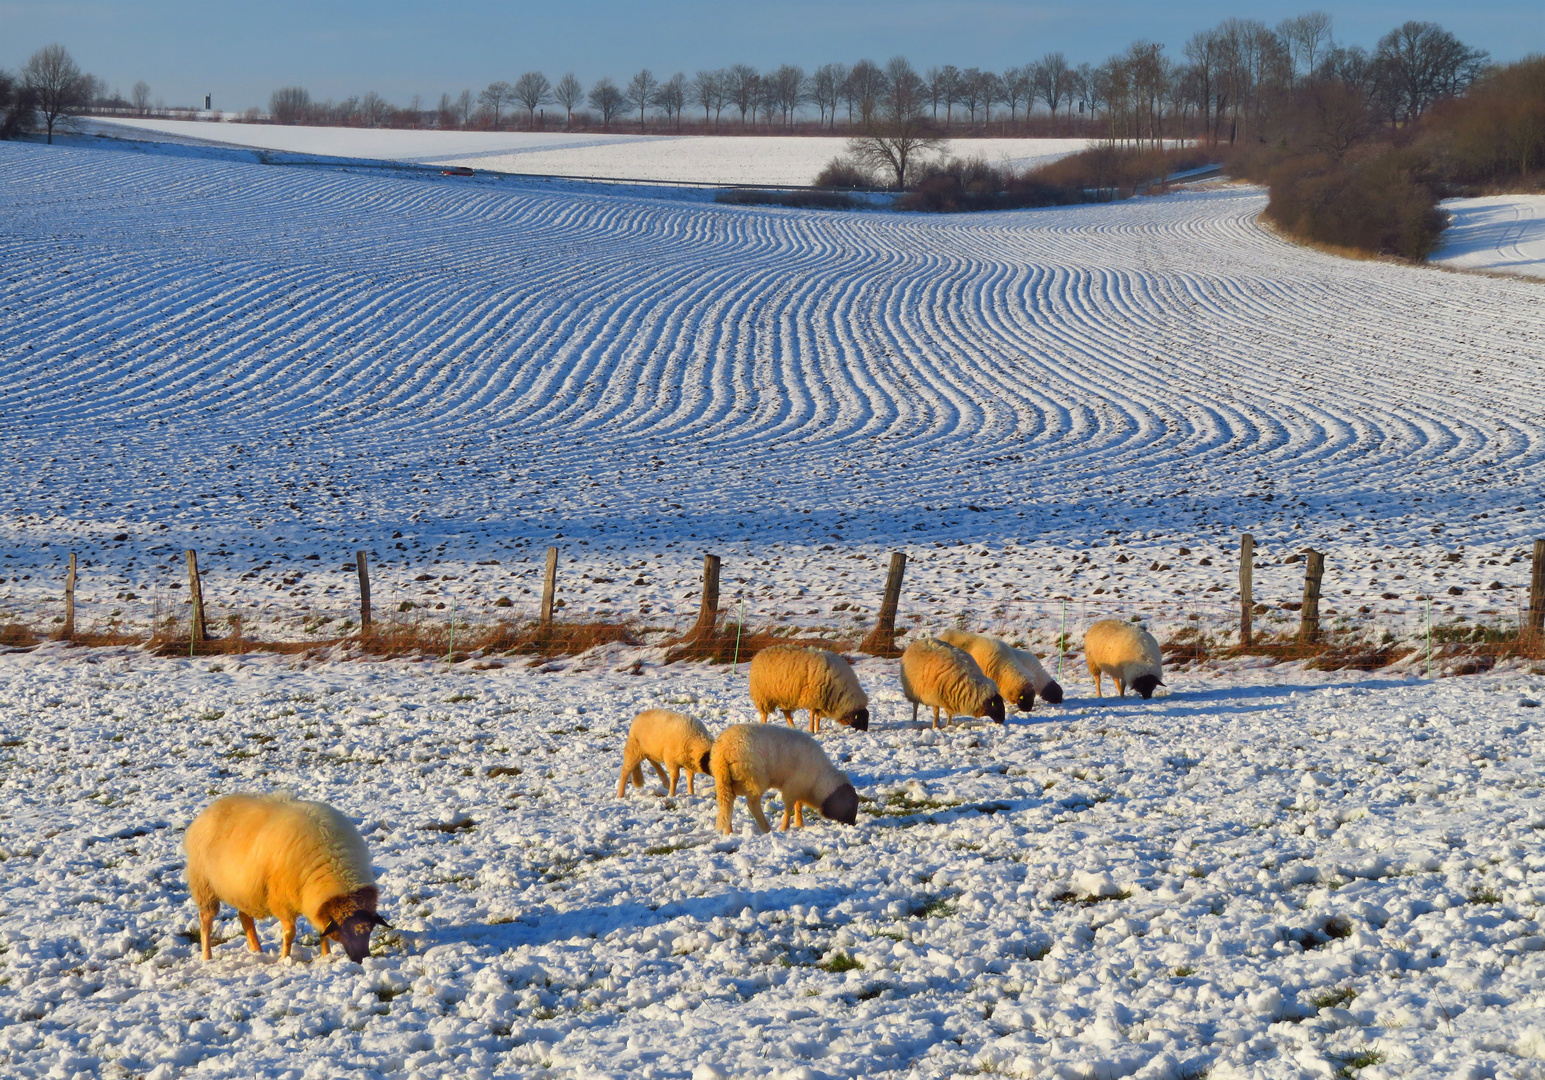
(1505, 233)
(1263, 875)
(728, 159)
(278, 366)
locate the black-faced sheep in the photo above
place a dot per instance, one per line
(1128, 654)
(275, 856)
(790, 677)
(669, 739)
(937, 674)
(750, 759)
(1017, 673)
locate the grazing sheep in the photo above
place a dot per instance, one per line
(790, 677)
(273, 856)
(936, 673)
(748, 759)
(1127, 653)
(1018, 674)
(665, 738)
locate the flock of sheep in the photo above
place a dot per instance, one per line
(273, 856)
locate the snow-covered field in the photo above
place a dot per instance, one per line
(1261, 877)
(728, 159)
(1504, 233)
(1262, 872)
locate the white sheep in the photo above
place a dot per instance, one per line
(1017, 673)
(791, 677)
(749, 759)
(272, 856)
(669, 739)
(937, 674)
(1128, 654)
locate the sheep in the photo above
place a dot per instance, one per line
(748, 759)
(274, 856)
(665, 738)
(936, 673)
(1127, 653)
(1019, 674)
(790, 677)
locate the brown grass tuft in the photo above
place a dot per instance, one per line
(721, 646)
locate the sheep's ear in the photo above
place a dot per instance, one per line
(376, 919)
(331, 928)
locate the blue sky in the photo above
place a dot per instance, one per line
(241, 52)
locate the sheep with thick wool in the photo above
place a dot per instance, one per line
(1128, 654)
(937, 674)
(666, 740)
(273, 856)
(791, 677)
(750, 759)
(1018, 674)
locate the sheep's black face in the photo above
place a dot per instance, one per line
(841, 805)
(995, 709)
(1051, 693)
(1026, 702)
(702, 766)
(354, 933)
(1144, 685)
(858, 720)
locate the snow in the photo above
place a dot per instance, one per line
(1503, 233)
(1265, 878)
(1263, 872)
(728, 159)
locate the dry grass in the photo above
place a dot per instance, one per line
(511, 638)
(16, 636)
(725, 646)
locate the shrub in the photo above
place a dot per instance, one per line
(803, 200)
(843, 172)
(1375, 203)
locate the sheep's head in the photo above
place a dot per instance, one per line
(858, 719)
(703, 762)
(994, 709)
(699, 751)
(1051, 693)
(353, 932)
(1026, 700)
(1144, 685)
(841, 805)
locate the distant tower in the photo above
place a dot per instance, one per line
(208, 102)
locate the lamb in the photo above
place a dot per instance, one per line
(936, 673)
(1127, 653)
(790, 677)
(665, 738)
(1018, 674)
(274, 856)
(748, 759)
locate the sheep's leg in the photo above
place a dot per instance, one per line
(664, 780)
(288, 926)
(788, 809)
(249, 924)
(327, 945)
(799, 814)
(1098, 689)
(724, 792)
(815, 723)
(691, 776)
(789, 716)
(754, 801)
(1121, 687)
(761, 714)
(206, 923)
(675, 779)
(630, 769)
(914, 712)
(936, 718)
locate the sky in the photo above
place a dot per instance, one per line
(241, 52)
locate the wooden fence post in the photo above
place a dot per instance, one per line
(68, 633)
(708, 613)
(549, 586)
(882, 639)
(1537, 591)
(196, 595)
(363, 565)
(1309, 617)
(1246, 589)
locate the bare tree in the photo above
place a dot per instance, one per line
(993, 91)
(141, 97)
(1305, 39)
(568, 93)
(15, 106)
(971, 91)
(56, 85)
(1016, 89)
(464, 108)
(607, 100)
(948, 89)
(1051, 80)
(496, 97)
(290, 105)
(742, 85)
(788, 89)
(531, 90)
(865, 84)
(672, 98)
(1423, 62)
(374, 110)
(897, 132)
(445, 115)
(640, 93)
(708, 90)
